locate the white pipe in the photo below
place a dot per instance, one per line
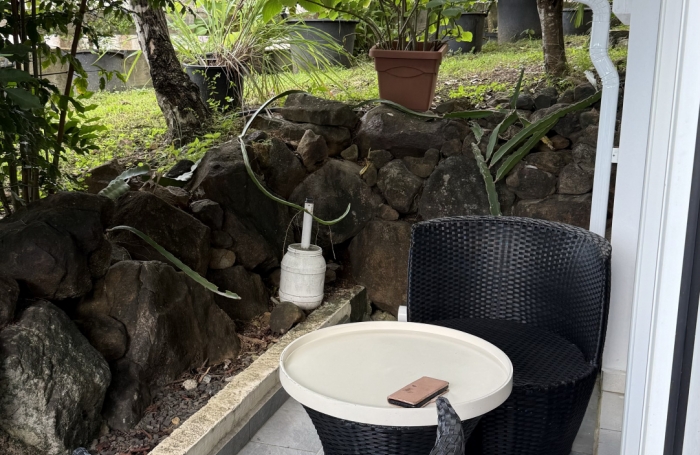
(308, 222)
(608, 112)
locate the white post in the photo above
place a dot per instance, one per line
(308, 223)
(608, 112)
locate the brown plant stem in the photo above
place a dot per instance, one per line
(69, 81)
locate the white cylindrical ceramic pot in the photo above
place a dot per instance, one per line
(302, 277)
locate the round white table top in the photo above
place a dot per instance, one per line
(347, 371)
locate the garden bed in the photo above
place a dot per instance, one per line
(254, 372)
(174, 404)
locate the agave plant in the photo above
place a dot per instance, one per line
(243, 37)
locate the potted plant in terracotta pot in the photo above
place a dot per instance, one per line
(410, 40)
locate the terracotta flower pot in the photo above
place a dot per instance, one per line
(408, 77)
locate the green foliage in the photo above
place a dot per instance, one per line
(39, 122)
(395, 24)
(494, 204)
(119, 185)
(242, 35)
(178, 263)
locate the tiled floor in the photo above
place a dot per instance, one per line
(288, 432)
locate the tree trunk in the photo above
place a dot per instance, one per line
(178, 97)
(550, 12)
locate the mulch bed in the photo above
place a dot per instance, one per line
(172, 404)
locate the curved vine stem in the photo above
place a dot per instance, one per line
(260, 186)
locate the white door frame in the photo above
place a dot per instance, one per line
(671, 137)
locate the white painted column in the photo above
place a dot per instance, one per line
(670, 151)
(636, 115)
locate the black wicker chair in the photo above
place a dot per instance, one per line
(539, 291)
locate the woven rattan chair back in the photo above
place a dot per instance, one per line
(550, 275)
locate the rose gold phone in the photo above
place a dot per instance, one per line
(418, 393)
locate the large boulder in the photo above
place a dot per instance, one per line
(384, 128)
(223, 178)
(282, 169)
(9, 293)
(529, 182)
(337, 138)
(333, 187)
(98, 178)
(105, 334)
(208, 212)
(313, 150)
(305, 108)
(455, 188)
(172, 325)
(56, 246)
(575, 180)
(249, 286)
(379, 257)
(52, 382)
(179, 233)
(177, 197)
(550, 161)
(251, 249)
(399, 186)
(574, 210)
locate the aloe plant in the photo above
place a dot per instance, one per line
(515, 149)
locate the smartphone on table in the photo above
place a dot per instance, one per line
(418, 393)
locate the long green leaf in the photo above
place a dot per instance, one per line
(178, 263)
(528, 130)
(8, 75)
(493, 140)
(23, 99)
(542, 129)
(398, 107)
(470, 114)
(494, 204)
(118, 186)
(253, 177)
(477, 130)
(516, 93)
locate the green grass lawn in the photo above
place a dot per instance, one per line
(135, 125)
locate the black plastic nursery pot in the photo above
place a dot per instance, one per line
(341, 31)
(474, 23)
(569, 19)
(217, 84)
(518, 19)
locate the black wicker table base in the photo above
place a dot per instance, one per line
(342, 437)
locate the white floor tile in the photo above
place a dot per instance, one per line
(290, 427)
(254, 448)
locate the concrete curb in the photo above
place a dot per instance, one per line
(230, 412)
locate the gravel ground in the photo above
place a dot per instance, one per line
(172, 405)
